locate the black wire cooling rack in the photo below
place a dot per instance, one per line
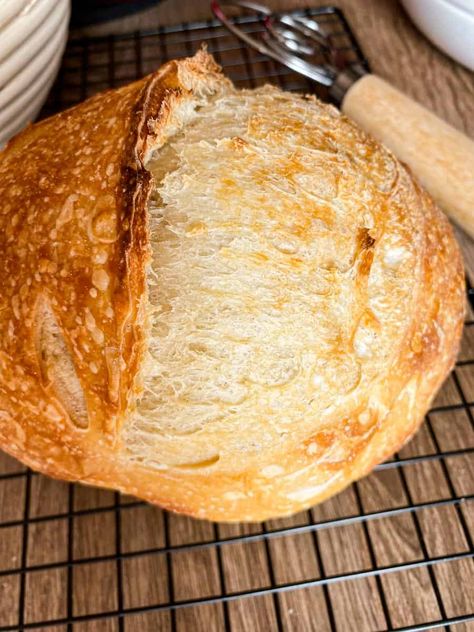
(393, 552)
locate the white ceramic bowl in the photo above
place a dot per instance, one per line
(449, 24)
(32, 41)
(467, 5)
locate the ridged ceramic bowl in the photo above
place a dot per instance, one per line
(33, 35)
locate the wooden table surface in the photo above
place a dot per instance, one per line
(400, 54)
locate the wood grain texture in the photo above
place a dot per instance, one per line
(401, 55)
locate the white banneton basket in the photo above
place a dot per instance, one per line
(33, 35)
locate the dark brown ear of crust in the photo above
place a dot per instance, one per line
(73, 236)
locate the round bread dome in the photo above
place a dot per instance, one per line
(233, 304)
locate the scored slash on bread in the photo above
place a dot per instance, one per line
(232, 303)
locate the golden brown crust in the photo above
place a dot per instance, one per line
(74, 192)
(74, 235)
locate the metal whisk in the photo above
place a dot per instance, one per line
(298, 42)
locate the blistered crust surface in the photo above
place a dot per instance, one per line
(73, 195)
(273, 329)
(63, 219)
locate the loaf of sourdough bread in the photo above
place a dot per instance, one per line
(231, 303)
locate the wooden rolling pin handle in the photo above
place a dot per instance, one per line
(441, 157)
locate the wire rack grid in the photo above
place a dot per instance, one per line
(392, 552)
